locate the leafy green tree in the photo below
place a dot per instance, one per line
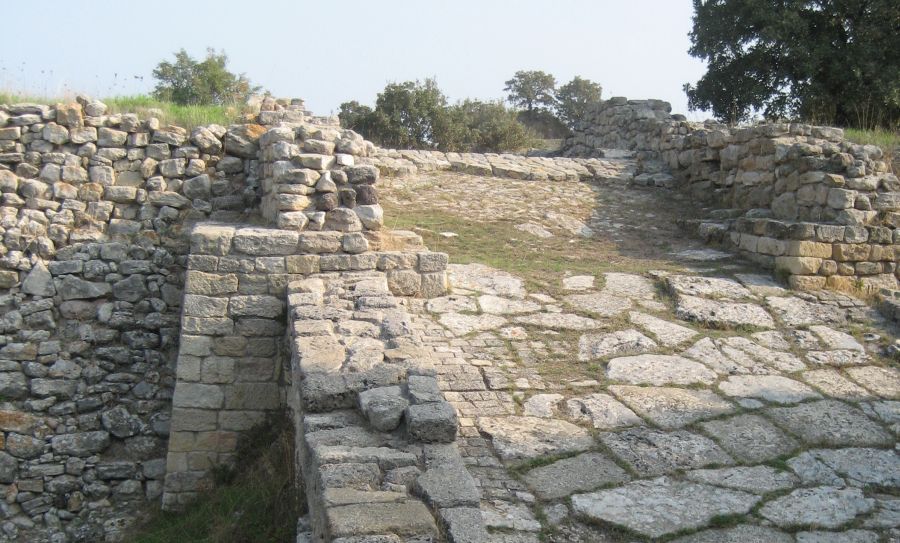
(356, 116)
(487, 127)
(532, 90)
(410, 115)
(833, 61)
(573, 99)
(190, 82)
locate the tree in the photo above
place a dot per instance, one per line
(573, 99)
(410, 115)
(356, 116)
(832, 61)
(532, 90)
(189, 82)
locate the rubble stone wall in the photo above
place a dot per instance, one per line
(96, 211)
(799, 198)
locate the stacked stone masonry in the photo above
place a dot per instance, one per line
(797, 198)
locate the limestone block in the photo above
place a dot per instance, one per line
(800, 265)
(432, 422)
(809, 248)
(853, 252)
(265, 242)
(211, 284)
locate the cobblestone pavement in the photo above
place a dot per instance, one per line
(702, 402)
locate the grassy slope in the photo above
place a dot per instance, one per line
(168, 112)
(257, 502)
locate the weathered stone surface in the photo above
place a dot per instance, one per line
(879, 467)
(463, 524)
(486, 280)
(560, 321)
(662, 506)
(744, 533)
(650, 369)
(666, 333)
(594, 346)
(826, 507)
(710, 287)
(755, 479)
(581, 473)
(600, 303)
(849, 536)
(652, 452)
(432, 422)
(383, 407)
(794, 312)
(81, 444)
(448, 486)
(830, 422)
(882, 381)
(772, 388)
(719, 314)
(410, 518)
(461, 324)
(541, 405)
(602, 411)
(671, 407)
(629, 286)
(73, 288)
(750, 438)
(523, 438)
(505, 306)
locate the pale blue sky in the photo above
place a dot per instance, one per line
(328, 51)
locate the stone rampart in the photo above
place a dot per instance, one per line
(797, 198)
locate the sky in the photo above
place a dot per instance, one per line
(328, 52)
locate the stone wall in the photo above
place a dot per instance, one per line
(96, 211)
(797, 198)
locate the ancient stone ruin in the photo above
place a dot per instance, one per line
(164, 291)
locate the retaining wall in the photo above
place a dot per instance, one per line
(797, 198)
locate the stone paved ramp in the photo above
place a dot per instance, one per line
(704, 403)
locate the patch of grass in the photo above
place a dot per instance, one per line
(146, 106)
(886, 139)
(254, 502)
(170, 113)
(542, 263)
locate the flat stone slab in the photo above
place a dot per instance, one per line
(834, 384)
(795, 312)
(882, 381)
(581, 473)
(703, 255)
(451, 304)
(561, 321)
(743, 533)
(410, 518)
(671, 407)
(716, 314)
(838, 358)
(762, 285)
(849, 536)
(461, 325)
(835, 339)
(486, 280)
(750, 438)
(772, 388)
(710, 287)
(739, 355)
(662, 506)
(506, 306)
(599, 303)
(509, 516)
(534, 229)
(629, 286)
(578, 282)
(665, 332)
(654, 369)
(825, 507)
(865, 466)
(651, 452)
(830, 422)
(594, 346)
(522, 438)
(754, 479)
(602, 411)
(542, 405)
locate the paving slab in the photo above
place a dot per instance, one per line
(833, 383)
(578, 282)
(651, 452)
(717, 314)
(743, 533)
(602, 411)
(523, 438)
(794, 311)
(484, 279)
(825, 507)
(581, 473)
(558, 321)
(865, 466)
(849, 536)
(599, 303)
(750, 438)
(671, 407)
(882, 381)
(666, 332)
(710, 287)
(629, 285)
(595, 346)
(460, 324)
(652, 369)
(771, 388)
(754, 479)
(662, 506)
(506, 306)
(830, 422)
